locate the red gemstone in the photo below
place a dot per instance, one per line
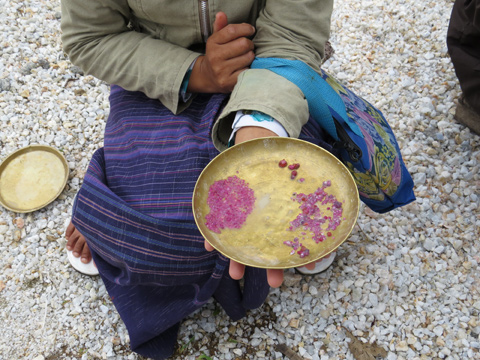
(282, 163)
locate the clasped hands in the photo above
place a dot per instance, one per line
(228, 52)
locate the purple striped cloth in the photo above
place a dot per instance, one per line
(134, 208)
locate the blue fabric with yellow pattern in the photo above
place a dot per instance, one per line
(366, 142)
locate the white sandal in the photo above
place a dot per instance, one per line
(320, 266)
(77, 264)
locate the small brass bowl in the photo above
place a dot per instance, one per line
(31, 178)
(260, 240)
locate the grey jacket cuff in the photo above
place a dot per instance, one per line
(173, 100)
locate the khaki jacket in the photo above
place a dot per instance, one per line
(147, 45)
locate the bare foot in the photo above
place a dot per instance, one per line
(77, 244)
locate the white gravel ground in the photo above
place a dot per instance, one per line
(407, 281)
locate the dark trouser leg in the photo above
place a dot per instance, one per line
(463, 41)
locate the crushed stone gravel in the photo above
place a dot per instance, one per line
(407, 281)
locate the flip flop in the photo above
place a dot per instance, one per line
(77, 264)
(320, 265)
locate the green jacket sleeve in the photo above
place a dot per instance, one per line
(97, 38)
(294, 30)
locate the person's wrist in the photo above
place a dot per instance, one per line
(199, 83)
(196, 83)
(252, 132)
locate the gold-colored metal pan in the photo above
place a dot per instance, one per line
(260, 241)
(31, 178)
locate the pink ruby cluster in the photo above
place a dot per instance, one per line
(311, 217)
(230, 201)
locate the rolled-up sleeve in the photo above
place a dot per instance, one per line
(288, 29)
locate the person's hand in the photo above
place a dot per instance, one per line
(228, 53)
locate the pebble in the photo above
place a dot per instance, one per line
(402, 346)
(406, 280)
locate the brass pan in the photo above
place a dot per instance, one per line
(260, 241)
(31, 178)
